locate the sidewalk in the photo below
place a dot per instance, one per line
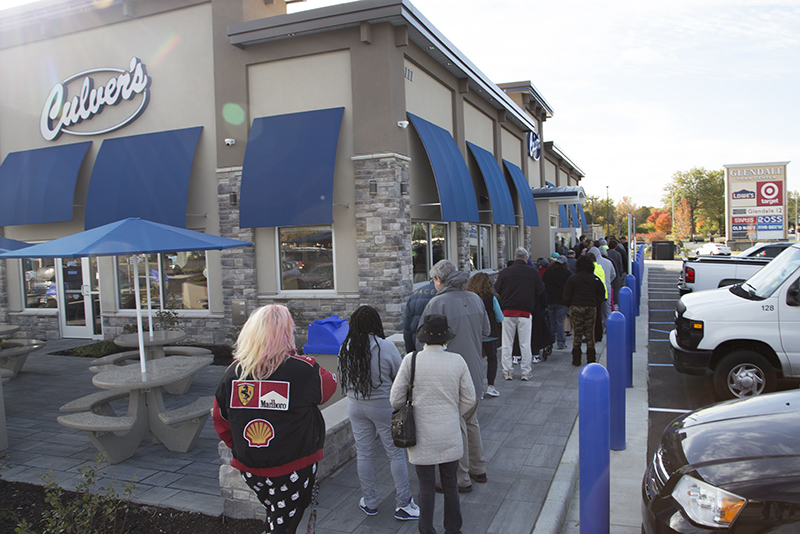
(529, 436)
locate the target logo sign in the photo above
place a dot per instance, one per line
(770, 194)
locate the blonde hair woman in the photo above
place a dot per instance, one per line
(266, 410)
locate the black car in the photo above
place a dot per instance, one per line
(730, 467)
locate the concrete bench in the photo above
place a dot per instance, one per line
(118, 358)
(185, 350)
(98, 403)
(14, 352)
(199, 408)
(117, 437)
(184, 424)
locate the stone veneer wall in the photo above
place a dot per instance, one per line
(383, 242)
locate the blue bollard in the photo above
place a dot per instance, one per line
(616, 354)
(626, 307)
(637, 287)
(595, 455)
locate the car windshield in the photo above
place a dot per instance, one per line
(767, 280)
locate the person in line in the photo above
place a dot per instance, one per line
(443, 393)
(583, 292)
(266, 409)
(368, 364)
(416, 304)
(615, 258)
(604, 270)
(518, 286)
(554, 280)
(480, 284)
(467, 317)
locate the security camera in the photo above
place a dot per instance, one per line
(230, 141)
(402, 124)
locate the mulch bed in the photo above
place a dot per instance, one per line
(28, 500)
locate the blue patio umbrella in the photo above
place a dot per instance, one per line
(128, 237)
(7, 244)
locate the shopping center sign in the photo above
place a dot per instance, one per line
(755, 201)
(62, 114)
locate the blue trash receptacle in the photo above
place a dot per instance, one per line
(325, 336)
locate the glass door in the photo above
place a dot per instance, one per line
(79, 302)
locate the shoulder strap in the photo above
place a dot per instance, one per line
(410, 391)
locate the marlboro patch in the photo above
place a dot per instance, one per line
(260, 394)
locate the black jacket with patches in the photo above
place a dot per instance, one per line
(269, 432)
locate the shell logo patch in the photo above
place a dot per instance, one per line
(260, 394)
(259, 433)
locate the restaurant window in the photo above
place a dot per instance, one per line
(480, 247)
(428, 246)
(512, 241)
(306, 254)
(39, 283)
(177, 280)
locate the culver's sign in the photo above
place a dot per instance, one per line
(61, 114)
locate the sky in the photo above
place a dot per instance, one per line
(641, 90)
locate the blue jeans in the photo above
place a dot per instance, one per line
(557, 313)
(371, 421)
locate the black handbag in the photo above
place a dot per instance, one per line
(404, 432)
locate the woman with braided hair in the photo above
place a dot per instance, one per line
(368, 365)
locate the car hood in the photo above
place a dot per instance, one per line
(750, 447)
(709, 299)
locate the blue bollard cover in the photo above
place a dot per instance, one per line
(616, 354)
(595, 455)
(325, 336)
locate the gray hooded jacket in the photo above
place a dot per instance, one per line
(466, 315)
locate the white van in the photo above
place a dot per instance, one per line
(745, 336)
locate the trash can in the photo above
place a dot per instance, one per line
(663, 250)
(325, 336)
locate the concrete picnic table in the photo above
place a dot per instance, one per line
(118, 437)
(154, 346)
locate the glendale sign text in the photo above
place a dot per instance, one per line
(60, 112)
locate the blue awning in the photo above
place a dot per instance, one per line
(573, 210)
(143, 176)
(456, 194)
(583, 216)
(38, 186)
(287, 177)
(496, 184)
(529, 213)
(563, 221)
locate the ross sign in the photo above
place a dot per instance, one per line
(755, 200)
(534, 145)
(62, 114)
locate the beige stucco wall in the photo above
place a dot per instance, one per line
(306, 83)
(478, 128)
(176, 51)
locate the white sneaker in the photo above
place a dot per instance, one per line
(492, 392)
(409, 512)
(536, 359)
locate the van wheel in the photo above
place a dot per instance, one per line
(742, 374)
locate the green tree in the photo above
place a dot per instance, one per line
(704, 194)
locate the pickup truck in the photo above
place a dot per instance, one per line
(745, 337)
(710, 272)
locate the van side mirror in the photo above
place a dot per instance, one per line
(793, 294)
